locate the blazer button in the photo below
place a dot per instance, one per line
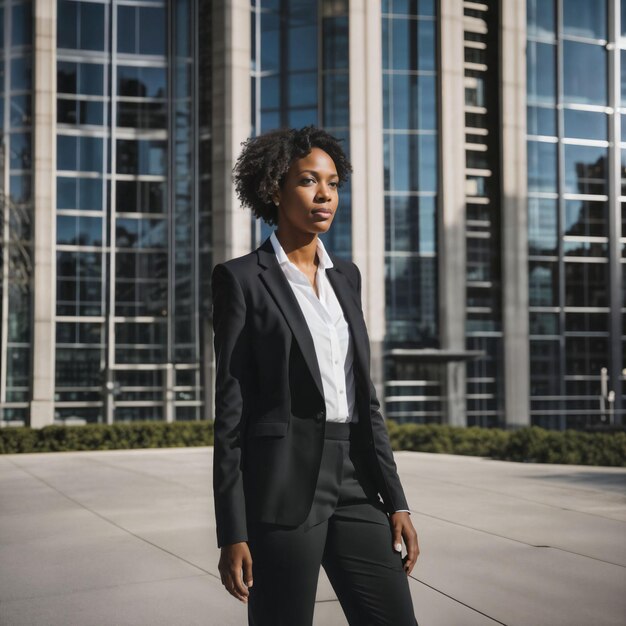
(320, 416)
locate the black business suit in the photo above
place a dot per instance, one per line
(270, 411)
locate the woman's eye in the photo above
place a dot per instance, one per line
(306, 181)
(334, 184)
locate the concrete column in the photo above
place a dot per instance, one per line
(44, 194)
(231, 125)
(366, 152)
(451, 213)
(514, 215)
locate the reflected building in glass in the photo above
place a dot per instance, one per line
(485, 211)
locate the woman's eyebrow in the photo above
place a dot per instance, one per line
(317, 173)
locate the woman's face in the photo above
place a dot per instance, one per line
(308, 198)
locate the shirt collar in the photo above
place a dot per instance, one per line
(325, 261)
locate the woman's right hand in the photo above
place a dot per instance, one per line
(235, 568)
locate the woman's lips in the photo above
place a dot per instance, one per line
(323, 214)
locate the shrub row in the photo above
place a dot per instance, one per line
(533, 444)
(104, 437)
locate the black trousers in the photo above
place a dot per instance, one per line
(347, 533)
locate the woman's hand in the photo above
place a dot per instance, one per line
(235, 560)
(402, 528)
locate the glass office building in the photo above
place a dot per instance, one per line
(486, 209)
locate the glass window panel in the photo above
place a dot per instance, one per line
(270, 92)
(584, 18)
(21, 110)
(154, 81)
(415, 163)
(541, 121)
(79, 231)
(412, 44)
(67, 151)
(90, 194)
(20, 150)
(411, 300)
(586, 217)
(410, 224)
(126, 29)
(543, 283)
(585, 356)
(269, 121)
(302, 117)
(79, 332)
(586, 284)
(141, 157)
(66, 111)
(141, 233)
(67, 22)
(584, 73)
(91, 26)
(413, 102)
(302, 89)
(79, 265)
(540, 17)
(623, 79)
(542, 226)
(21, 24)
(78, 367)
(142, 115)
(336, 100)
(426, 45)
(585, 124)
(544, 323)
(302, 48)
(585, 169)
(91, 112)
(541, 72)
(21, 73)
(90, 154)
(585, 248)
(335, 43)
(91, 79)
(67, 77)
(66, 192)
(587, 322)
(270, 36)
(542, 167)
(152, 30)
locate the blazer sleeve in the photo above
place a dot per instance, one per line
(382, 445)
(229, 318)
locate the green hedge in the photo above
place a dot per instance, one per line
(102, 437)
(534, 445)
(530, 445)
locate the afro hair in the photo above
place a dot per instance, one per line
(264, 161)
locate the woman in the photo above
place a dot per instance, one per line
(303, 470)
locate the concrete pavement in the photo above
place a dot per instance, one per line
(122, 538)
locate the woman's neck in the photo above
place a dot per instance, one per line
(300, 248)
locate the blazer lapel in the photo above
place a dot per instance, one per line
(344, 291)
(277, 284)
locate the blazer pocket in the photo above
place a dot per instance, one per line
(268, 429)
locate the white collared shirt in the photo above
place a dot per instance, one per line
(329, 329)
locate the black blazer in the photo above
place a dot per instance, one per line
(269, 400)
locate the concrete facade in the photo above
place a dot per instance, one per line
(514, 216)
(366, 150)
(451, 217)
(231, 124)
(44, 284)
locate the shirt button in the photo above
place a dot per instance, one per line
(341, 391)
